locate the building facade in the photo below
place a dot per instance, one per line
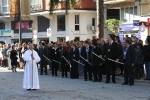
(79, 24)
(129, 12)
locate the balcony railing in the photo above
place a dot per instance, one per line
(145, 1)
(117, 1)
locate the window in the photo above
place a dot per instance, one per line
(36, 5)
(131, 11)
(93, 21)
(43, 24)
(77, 39)
(61, 23)
(5, 6)
(2, 25)
(15, 27)
(77, 27)
(135, 10)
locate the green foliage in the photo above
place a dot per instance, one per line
(113, 25)
(69, 4)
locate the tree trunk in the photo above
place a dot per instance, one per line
(101, 18)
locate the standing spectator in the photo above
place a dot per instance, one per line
(55, 56)
(13, 57)
(64, 64)
(74, 54)
(103, 56)
(43, 64)
(146, 52)
(128, 55)
(4, 53)
(139, 60)
(111, 53)
(8, 56)
(1, 56)
(49, 52)
(81, 67)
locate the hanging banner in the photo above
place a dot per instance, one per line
(139, 35)
(121, 36)
(25, 9)
(14, 10)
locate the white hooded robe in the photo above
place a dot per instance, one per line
(28, 83)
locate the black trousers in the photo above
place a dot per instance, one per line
(74, 74)
(97, 72)
(5, 63)
(64, 69)
(87, 69)
(138, 70)
(54, 68)
(128, 74)
(110, 69)
(43, 65)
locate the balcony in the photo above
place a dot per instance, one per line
(145, 1)
(107, 2)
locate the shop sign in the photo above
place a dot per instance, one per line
(136, 22)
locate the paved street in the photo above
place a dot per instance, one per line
(57, 88)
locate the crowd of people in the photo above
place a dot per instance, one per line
(91, 58)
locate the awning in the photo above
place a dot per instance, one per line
(128, 27)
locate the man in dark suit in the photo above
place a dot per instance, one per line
(86, 54)
(43, 63)
(96, 62)
(129, 56)
(111, 53)
(54, 55)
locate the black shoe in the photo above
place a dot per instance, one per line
(90, 79)
(46, 74)
(34, 89)
(114, 81)
(145, 79)
(107, 82)
(41, 74)
(85, 80)
(94, 80)
(56, 75)
(99, 80)
(131, 84)
(28, 89)
(125, 84)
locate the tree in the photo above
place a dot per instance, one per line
(113, 25)
(100, 6)
(69, 4)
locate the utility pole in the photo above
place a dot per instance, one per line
(20, 23)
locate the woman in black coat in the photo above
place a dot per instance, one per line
(74, 54)
(13, 57)
(64, 64)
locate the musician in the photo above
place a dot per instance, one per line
(43, 64)
(86, 54)
(55, 56)
(111, 53)
(74, 54)
(129, 55)
(64, 63)
(96, 62)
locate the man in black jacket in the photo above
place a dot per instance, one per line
(96, 62)
(86, 54)
(55, 56)
(129, 56)
(111, 53)
(43, 63)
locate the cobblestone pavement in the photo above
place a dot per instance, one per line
(57, 88)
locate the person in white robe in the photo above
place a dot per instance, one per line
(31, 78)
